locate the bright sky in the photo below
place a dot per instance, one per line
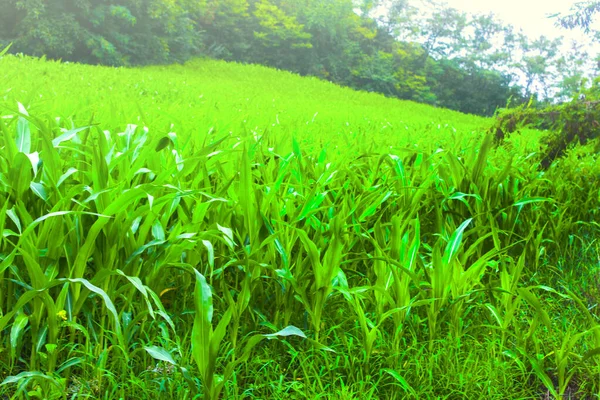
(530, 15)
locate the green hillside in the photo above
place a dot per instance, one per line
(215, 230)
(227, 97)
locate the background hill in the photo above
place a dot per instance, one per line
(228, 98)
(420, 50)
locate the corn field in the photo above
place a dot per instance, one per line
(198, 232)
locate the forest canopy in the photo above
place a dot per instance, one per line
(436, 55)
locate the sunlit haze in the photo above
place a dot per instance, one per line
(530, 15)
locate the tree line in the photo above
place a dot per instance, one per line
(432, 54)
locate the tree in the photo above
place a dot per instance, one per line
(226, 27)
(95, 31)
(480, 44)
(398, 19)
(340, 40)
(442, 31)
(37, 28)
(582, 16)
(573, 67)
(537, 62)
(278, 36)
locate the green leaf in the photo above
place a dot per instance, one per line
(107, 301)
(65, 137)
(403, 383)
(24, 299)
(246, 196)
(23, 132)
(455, 242)
(32, 225)
(27, 376)
(39, 190)
(591, 353)
(219, 333)
(70, 363)
(64, 176)
(211, 253)
(137, 283)
(3, 52)
(203, 298)
(10, 148)
(531, 200)
(157, 231)
(315, 258)
(227, 235)
(163, 143)
(158, 353)
(202, 328)
(296, 149)
(14, 218)
(482, 158)
(16, 331)
(535, 303)
(287, 331)
(34, 158)
(205, 151)
(370, 210)
(21, 174)
(541, 374)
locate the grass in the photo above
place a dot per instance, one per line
(215, 230)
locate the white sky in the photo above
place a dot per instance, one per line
(529, 15)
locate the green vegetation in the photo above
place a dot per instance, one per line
(570, 123)
(421, 50)
(213, 230)
(433, 54)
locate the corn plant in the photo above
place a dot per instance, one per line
(158, 224)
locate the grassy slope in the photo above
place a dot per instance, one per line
(227, 96)
(478, 346)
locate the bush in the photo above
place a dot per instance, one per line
(568, 123)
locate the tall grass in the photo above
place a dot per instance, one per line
(223, 231)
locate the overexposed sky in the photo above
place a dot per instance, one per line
(529, 15)
(533, 18)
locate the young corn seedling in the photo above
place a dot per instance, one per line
(324, 270)
(399, 272)
(440, 274)
(207, 341)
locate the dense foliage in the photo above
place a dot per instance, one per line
(223, 231)
(568, 124)
(339, 40)
(108, 32)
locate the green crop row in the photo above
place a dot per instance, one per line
(296, 240)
